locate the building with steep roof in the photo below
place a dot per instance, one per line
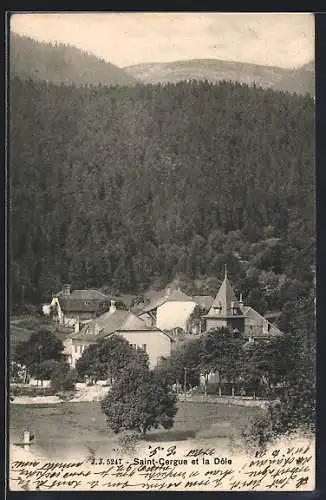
(229, 312)
(226, 310)
(77, 306)
(152, 340)
(169, 312)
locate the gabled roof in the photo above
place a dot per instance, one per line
(111, 322)
(254, 324)
(174, 296)
(81, 300)
(224, 299)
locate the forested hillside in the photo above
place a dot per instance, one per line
(59, 63)
(126, 187)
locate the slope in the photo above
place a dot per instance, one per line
(62, 64)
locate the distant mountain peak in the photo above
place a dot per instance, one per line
(300, 80)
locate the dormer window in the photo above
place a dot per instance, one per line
(266, 326)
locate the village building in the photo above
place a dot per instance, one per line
(171, 311)
(152, 340)
(229, 312)
(226, 311)
(69, 308)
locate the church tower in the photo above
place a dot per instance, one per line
(226, 310)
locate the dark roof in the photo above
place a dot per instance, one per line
(224, 299)
(90, 294)
(107, 323)
(254, 324)
(82, 300)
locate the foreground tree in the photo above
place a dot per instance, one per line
(221, 354)
(185, 356)
(62, 378)
(44, 370)
(295, 408)
(39, 353)
(267, 363)
(139, 400)
(107, 358)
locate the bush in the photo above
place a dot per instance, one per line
(295, 411)
(258, 433)
(31, 391)
(128, 442)
(211, 388)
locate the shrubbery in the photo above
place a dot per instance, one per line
(31, 391)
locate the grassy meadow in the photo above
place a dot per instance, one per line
(75, 427)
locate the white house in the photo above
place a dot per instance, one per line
(152, 340)
(171, 311)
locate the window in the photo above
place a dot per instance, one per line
(76, 348)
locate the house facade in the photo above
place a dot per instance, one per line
(226, 311)
(229, 312)
(153, 341)
(78, 306)
(170, 312)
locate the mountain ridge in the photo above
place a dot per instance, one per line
(299, 80)
(60, 63)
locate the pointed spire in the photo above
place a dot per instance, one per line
(225, 301)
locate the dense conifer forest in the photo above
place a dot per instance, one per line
(129, 187)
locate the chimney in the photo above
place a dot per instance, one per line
(241, 301)
(77, 325)
(96, 329)
(112, 307)
(66, 290)
(168, 291)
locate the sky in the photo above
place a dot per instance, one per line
(124, 39)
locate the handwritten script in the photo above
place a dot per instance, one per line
(170, 468)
